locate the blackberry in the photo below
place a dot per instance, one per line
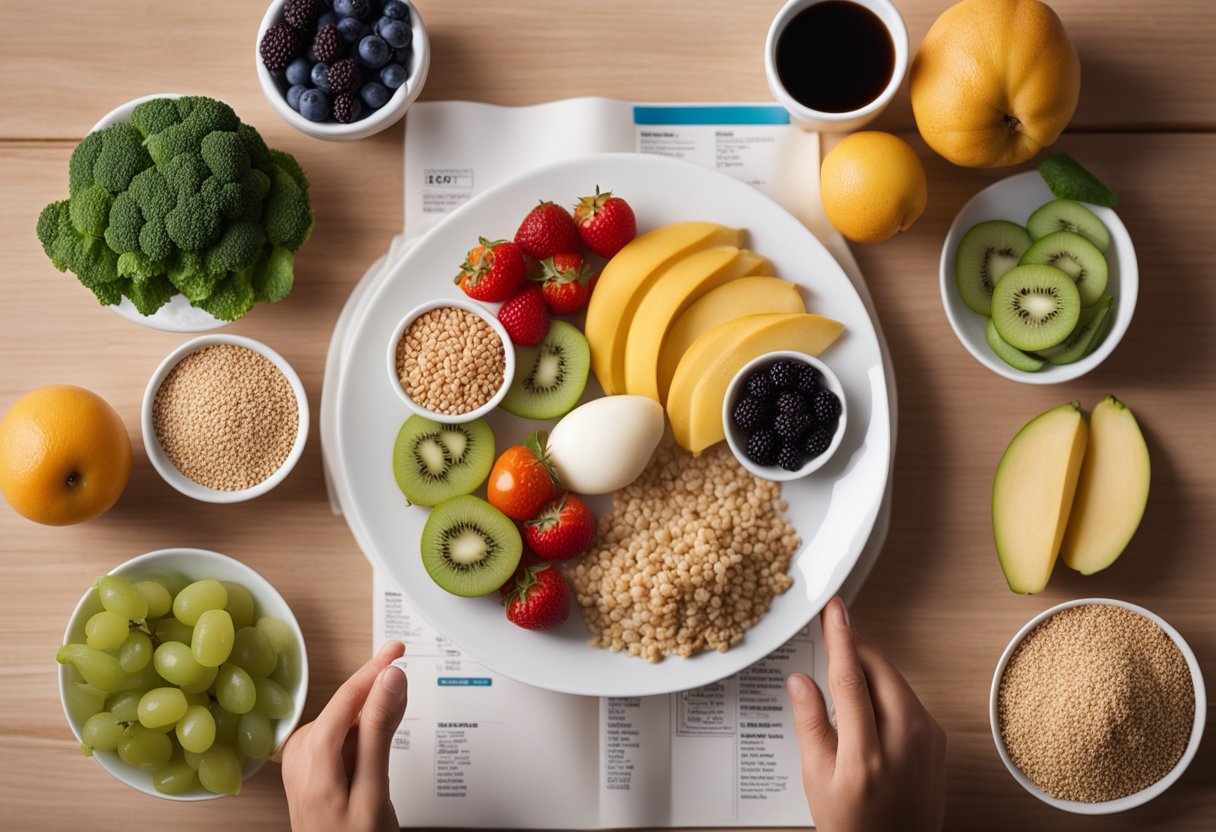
(752, 414)
(784, 374)
(301, 13)
(762, 447)
(343, 76)
(327, 45)
(817, 441)
(790, 456)
(791, 402)
(808, 380)
(826, 407)
(791, 426)
(279, 46)
(346, 108)
(759, 386)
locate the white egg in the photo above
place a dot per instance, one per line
(603, 445)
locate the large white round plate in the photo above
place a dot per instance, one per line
(833, 510)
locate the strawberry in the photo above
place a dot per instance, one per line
(522, 480)
(567, 283)
(548, 230)
(564, 529)
(526, 317)
(537, 598)
(605, 222)
(492, 271)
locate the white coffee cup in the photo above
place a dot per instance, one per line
(811, 119)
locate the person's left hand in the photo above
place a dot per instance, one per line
(335, 769)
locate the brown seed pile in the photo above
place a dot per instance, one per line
(226, 417)
(689, 559)
(1096, 703)
(450, 361)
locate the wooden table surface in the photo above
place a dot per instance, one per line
(936, 600)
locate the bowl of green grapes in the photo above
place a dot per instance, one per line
(181, 672)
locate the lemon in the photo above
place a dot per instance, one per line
(873, 185)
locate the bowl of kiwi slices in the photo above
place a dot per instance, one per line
(1039, 289)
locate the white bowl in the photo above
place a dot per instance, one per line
(737, 440)
(1132, 800)
(177, 315)
(508, 370)
(385, 117)
(195, 564)
(169, 471)
(1014, 199)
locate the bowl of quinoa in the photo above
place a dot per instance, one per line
(224, 418)
(450, 361)
(1097, 706)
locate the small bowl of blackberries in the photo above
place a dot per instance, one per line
(342, 69)
(784, 415)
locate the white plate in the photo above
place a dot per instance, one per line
(1014, 199)
(833, 511)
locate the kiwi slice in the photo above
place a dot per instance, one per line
(986, 252)
(550, 377)
(1066, 215)
(1102, 330)
(1035, 307)
(469, 547)
(433, 462)
(1075, 256)
(1081, 342)
(1012, 356)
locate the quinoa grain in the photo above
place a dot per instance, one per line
(450, 361)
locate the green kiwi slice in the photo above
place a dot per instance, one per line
(550, 377)
(432, 461)
(1084, 339)
(1012, 356)
(986, 252)
(1075, 256)
(1035, 307)
(1066, 215)
(470, 548)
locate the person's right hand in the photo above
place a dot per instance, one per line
(880, 767)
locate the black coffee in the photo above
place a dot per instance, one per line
(835, 56)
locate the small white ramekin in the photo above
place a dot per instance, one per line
(169, 472)
(508, 370)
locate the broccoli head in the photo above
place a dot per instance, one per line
(289, 217)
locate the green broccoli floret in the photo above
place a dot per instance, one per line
(154, 240)
(184, 173)
(288, 164)
(193, 224)
(288, 215)
(227, 197)
(259, 153)
(231, 299)
(274, 275)
(122, 156)
(188, 272)
(239, 247)
(151, 293)
(89, 257)
(134, 265)
(225, 155)
(125, 222)
(80, 166)
(254, 188)
(200, 116)
(155, 116)
(90, 210)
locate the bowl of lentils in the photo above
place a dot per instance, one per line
(224, 418)
(342, 70)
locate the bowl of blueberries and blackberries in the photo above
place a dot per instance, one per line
(784, 415)
(342, 69)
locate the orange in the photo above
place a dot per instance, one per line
(873, 185)
(65, 456)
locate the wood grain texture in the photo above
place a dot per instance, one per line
(936, 601)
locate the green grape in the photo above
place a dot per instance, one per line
(101, 732)
(225, 725)
(125, 705)
(287, 669)
(241, 605)
(105, 630)
(253, 651)
(197, 599)
(196, 729)
(84, 700)
(162, 706)
(234, 689)
(121, 598)
(176, 665)
(280, 634)
(213, 637)
(158, 597)
(170, 629)
(197, 698)
(144, 679)
(143, 748)
(135, 652)
(191, 758)
(101, 670)
(220, 771)
(177, 777)
(204, 682)
(175, 582)
(272, 699)
(255, 736)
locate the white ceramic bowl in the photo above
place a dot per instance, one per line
(385, 117)
(169, 471)
(195, 564)
(1014, 199)
(1131, 800)
(508, 370)
(737, 439)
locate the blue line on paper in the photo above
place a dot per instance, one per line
(736, 114)
(464, 682)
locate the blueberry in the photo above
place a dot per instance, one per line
(314, 105)
(353, 8)
(298, 71)
(320, 78)
(351, 29)
(402, 56)
(395, 32)
(396, 10)
(326, 19)
(393, 76)
(375, 95)
(373, 51)
(293, 96)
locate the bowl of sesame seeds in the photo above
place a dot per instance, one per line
(224, 418)
(450, 361)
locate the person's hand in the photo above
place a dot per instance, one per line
(881, 766)
(335, 769)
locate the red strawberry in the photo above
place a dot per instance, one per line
(564, 529)
(492, 271)
(525, 317)
(566, 283)
(605, 222)
(548, 230)
(537, 598)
